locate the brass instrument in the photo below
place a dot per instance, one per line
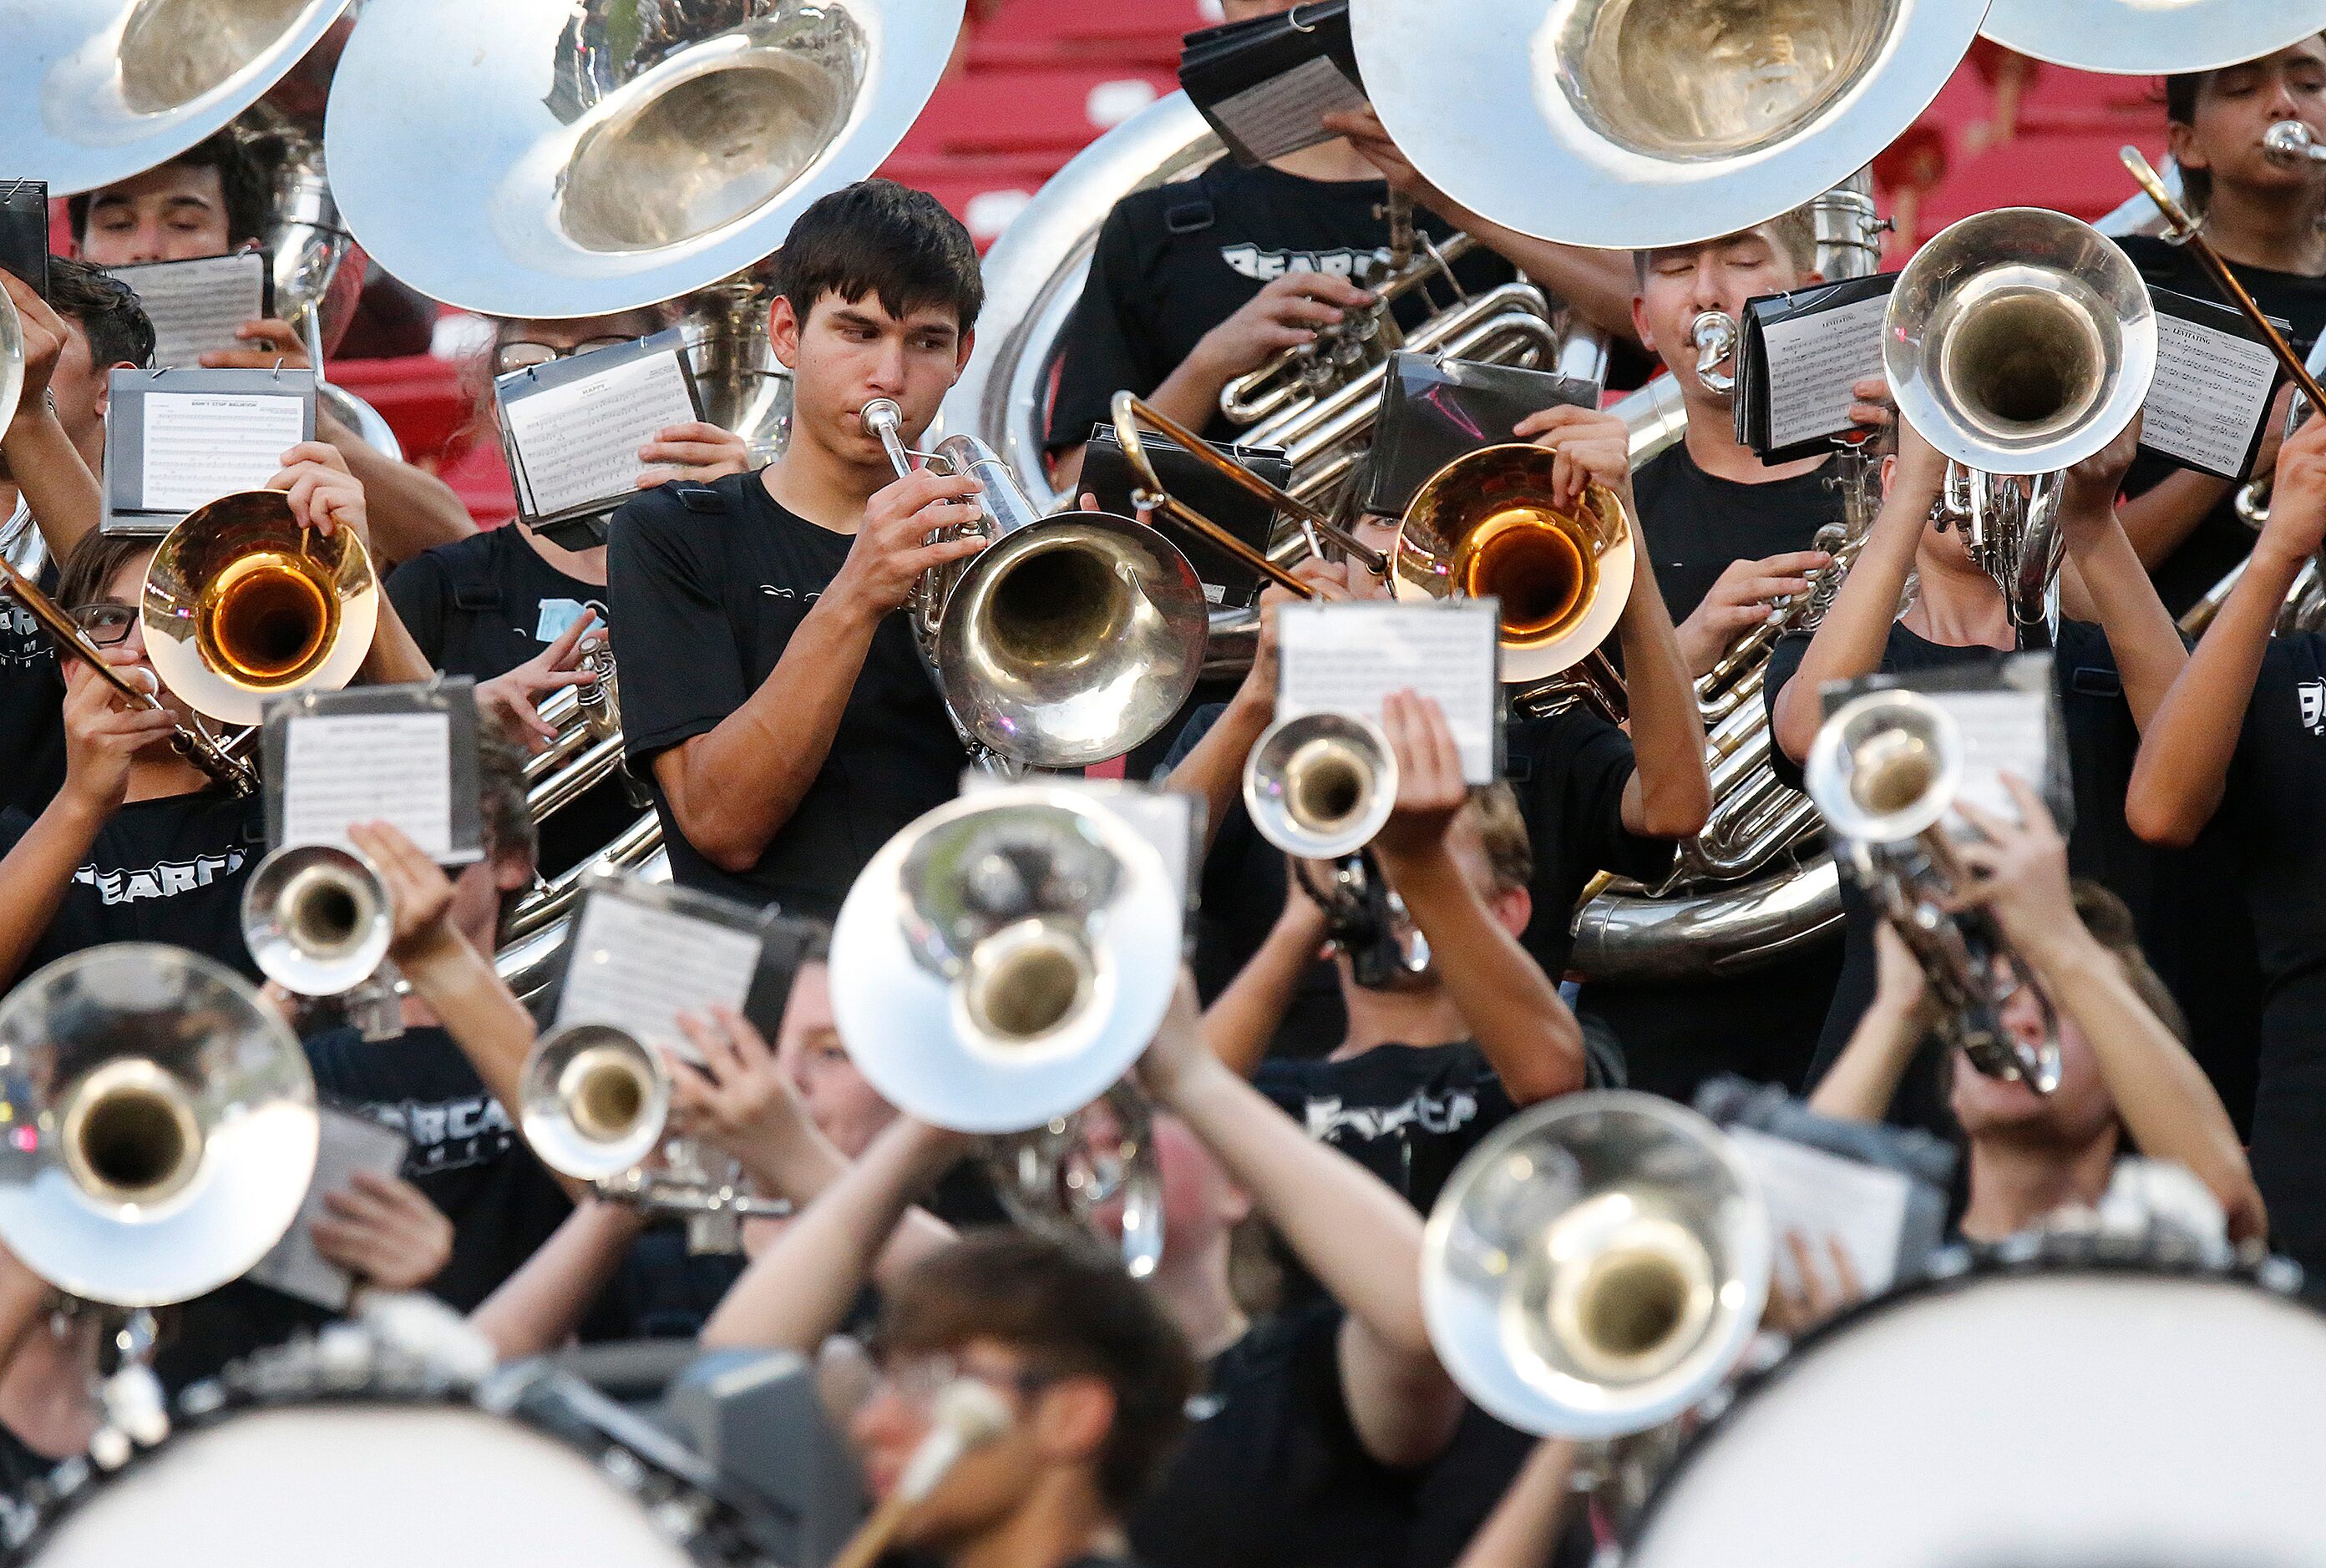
(166, 1127)
(583, 157)
(1596, 1267)
(2291, 142)
(1068, 639)
(1320, 786)
(2018, 342)
(1630, 125)
(1091, 1172)
(1713, 335)
(593, 1100)
(317, 920)
(1885, 771)
(243, 603)
(2138, 38)
(744, 387)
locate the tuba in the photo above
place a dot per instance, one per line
(1885, 772)
(166, 1125)
(242, 603)
(1596, 1267)
(2140, 38)
(1068, 639)
(2018, 342)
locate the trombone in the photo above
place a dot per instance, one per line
(1885, 772)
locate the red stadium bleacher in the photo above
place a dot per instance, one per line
(1118, 32)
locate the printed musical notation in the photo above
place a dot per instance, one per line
(1349, 657)
(344, 768)
(638, 966)
(201, 445)
(1814, 360)
(577, 443)
(2212, 389)
(197, 306)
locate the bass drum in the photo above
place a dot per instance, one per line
(2073, 1415)
(321, 1454)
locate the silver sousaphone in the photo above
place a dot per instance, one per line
(2150, 37)
(580, 157)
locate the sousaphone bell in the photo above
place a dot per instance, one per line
(2149, 38)
(1595, 1266)
(1003, 961)
(160, 1125)
(243, 603)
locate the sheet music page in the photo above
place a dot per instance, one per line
(345, 1144)
(197, 305)
(1863, 1207)
(2211, 392)
(201, 445)
(637, 966)
(578, 442)
(362, 767)
(1349, 657)
(1285, 112)
(2006, 731)
(1813, 362)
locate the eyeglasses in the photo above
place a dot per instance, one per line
(919, 1380)
(522, 355)
(105, 623)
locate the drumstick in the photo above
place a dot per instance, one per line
(968, 1414)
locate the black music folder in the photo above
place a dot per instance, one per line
(2215, 376)
(1228, 582)
(572, 429)
(1433, 411)
(24, 231)
(1798, 354)
(1266, 83)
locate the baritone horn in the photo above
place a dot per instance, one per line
(165, 1123)
(243, 602)
(1597, 1265)
(1320, 786)
(1885, 772)
(593, 1100)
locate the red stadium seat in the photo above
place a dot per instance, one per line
(2078, 174)
(1055, 108)
(1054, 31)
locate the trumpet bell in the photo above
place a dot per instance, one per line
(1632, 124)
(93, 91)
(1886, 767)
(1073, 639)
(1003, 961)
(2019, 341)
(1319, 786)
(1481, 526)
(316, 919)
(161, 1124)
(242, 604)
(1597, 1265)
(2141, 38)
(580, 157)
(592, 1101)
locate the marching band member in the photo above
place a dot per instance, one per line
(773, 696)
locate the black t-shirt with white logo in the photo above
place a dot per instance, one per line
(1271, 1469)
(1176, 261)
(1763, 1022)
(161, 871)
(481, 607)
(2221, 540)
(32, 702)
(710, 583)
(1407, 1113)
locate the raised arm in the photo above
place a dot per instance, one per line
(1510, 1005)
(1361, 1240)
(2106, 581)
(537, 1308)
(1523, 1530)
(2186, 747)
(1244, 1018)
(45, 465)
(1864, 1079)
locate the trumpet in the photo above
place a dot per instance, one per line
(1712, 335)
(243, 602)
(2291, 142)
(1069, 639)
(167, 1125)
(1596, 1267)
(1320, 786)
(318, 923)
(1885, 771)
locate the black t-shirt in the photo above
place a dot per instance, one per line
(1271, 1470)
(1763, 1022)
(1407, 1113)
(1174, 261)
(481, 607)
(2220, 540)
(1568, 771)
(32, 696)
(165, 870)
(709, 582)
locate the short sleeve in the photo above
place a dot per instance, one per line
(682, 671)
(1784, 664)
(15, 823)
(1590, 761)
(419, 589)
(1106, 345)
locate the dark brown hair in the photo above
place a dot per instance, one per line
(887, 240)
(2105, 916)
(1070, 1310)
(92, 563)
(107, 311)
(244, 180)
(2182, 91)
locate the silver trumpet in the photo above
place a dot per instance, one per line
(1067, 640)
(998, 966)
(163, 1125)
(2290, 142)
(2018, 342)
(1885, 771)
(1713, 335)
(317, 922)
(1320, 786)
(1596, 1267)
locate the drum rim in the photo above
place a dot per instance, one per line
(1950, 1271)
